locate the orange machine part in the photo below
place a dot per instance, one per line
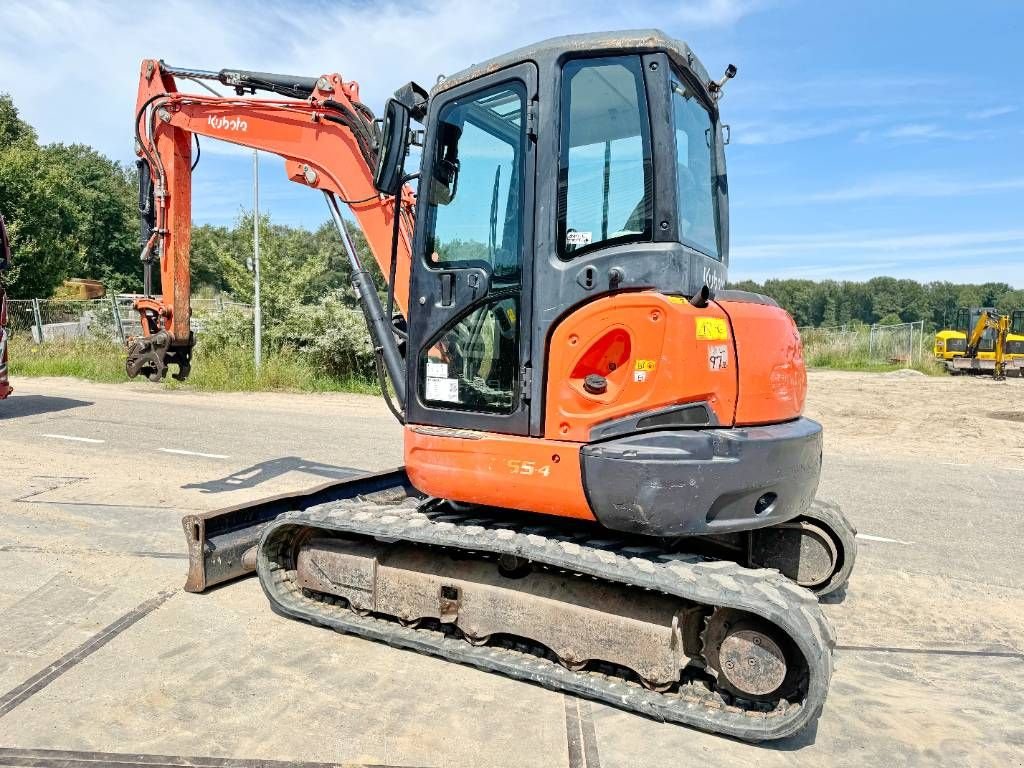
(773, 377)
(527, 473)
(654, 351)
(318, 154)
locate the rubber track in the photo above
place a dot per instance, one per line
(717, 583)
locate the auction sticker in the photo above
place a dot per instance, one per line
(442, 389)
(578, 239)
(718, 357)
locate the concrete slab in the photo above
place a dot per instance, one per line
(104, 660)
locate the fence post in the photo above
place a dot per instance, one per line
(39, 320)
(117, 318)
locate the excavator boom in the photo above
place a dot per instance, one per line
(329, 142)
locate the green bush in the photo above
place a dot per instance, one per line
(328, 337)
(331, 337)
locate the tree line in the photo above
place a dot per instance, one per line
(883, 300)
(72, 212)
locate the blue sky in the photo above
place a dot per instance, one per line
(868, 137)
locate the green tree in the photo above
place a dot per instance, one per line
(70, 211)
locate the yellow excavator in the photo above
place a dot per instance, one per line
(983, 342)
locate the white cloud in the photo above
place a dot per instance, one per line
(986, 114)
(773, 246)
(930, 132)
(91, 50)
(844, 91)
(787, 132)
(967, 256)
(908, 186)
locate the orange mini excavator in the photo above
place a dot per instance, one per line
(608, 485)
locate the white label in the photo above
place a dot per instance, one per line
(639, 376)
(437, 370)
(718, 357)
(572, 237)
(443, 389)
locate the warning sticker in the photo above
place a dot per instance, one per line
(437, 370)
(718, 357)
(639, 376)
(712, 328)
(442, 389)
(645, 365)
(574, 237)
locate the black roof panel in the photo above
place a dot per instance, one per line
(642, 40)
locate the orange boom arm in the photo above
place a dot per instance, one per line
(328, 141)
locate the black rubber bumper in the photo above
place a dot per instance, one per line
(706, 481)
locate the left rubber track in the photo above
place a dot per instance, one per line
(712, 585)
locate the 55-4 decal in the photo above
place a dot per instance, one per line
(520, 467)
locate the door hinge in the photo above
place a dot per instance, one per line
(526, 383)
(531, 120)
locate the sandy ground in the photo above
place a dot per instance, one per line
(103, 659)
(959, 419)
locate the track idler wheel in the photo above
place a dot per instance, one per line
(816, 550)
(750, 658)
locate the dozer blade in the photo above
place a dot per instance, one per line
(222, 543)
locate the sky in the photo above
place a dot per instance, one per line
(869, 137)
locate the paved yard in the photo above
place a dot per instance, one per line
(103, 659)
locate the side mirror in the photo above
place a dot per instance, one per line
(5, 246)
(387, 177)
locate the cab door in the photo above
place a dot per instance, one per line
(470, 285)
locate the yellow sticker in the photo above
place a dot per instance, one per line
(712, 329)
(677, 299)
(645, 365)
(511, 312)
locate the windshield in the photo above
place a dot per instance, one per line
(695, 137)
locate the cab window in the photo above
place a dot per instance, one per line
(605, 170)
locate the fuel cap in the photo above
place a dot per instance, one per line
(595, 384)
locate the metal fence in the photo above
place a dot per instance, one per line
(902, 344)
(898, 344)
(112, 317)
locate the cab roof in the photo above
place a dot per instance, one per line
(597, 43)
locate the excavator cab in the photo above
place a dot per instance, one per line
(1015, 337)
(551, 177)
(1017, 322)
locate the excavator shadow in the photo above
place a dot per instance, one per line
(268, 470)
(18, 406)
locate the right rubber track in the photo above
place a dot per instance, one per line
(720, 584)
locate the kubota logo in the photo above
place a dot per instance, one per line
(227, 123)
(713, 279)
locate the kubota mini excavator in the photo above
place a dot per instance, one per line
(606, 465)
